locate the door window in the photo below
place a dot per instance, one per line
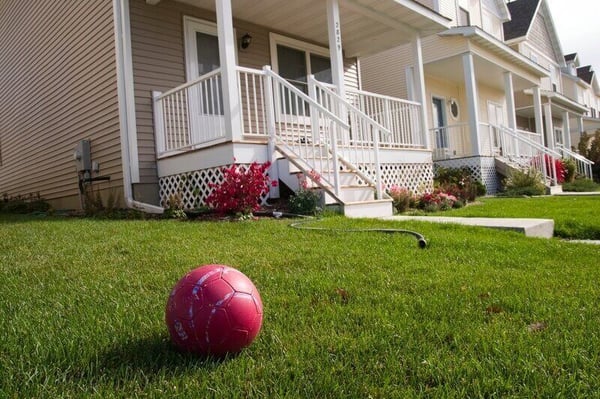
(439, 123)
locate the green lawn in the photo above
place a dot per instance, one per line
(574, 216)
(82, 309)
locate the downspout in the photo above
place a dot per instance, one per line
(126, 101)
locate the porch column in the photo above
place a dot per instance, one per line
(471, 89)
(334, 29)
(580, 127)
(227, 43)
(566, 130)
(550, 139)
(419, 88)
(537, 110)
(509, 92)
(410, 83)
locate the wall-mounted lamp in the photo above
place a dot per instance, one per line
(246, 40)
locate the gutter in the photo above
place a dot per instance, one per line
(127, 124)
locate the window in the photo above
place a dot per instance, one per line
(294, 60)
(464, 19)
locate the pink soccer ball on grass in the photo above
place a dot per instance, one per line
(214, 310)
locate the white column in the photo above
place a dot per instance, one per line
(509, 92)
(537, 110)
(580, 127)
(227, 45)
(471, 88)
(566, 130)
(334, 29)
(419, 88)
(550, 139)
(410, 83)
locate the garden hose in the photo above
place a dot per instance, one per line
(309, 219)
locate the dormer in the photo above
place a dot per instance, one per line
(572, 63)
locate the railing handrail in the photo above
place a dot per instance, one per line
(189, 84)
(306, 98)
(461, 124)
(364, 117)
(575, 155)
(381, 96)
(528, 141)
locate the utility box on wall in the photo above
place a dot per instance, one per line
(83, 156)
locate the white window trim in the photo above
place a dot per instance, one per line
(308, 48)
(192, 25)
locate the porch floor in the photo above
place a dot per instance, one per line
(542, 228)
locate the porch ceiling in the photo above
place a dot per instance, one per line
(486, 72)
(368, 26)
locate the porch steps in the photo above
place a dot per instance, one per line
(355, 200)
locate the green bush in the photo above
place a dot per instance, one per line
(569, 169)
(305, 202)
(528, 182)
(581, 185)
(24, 204)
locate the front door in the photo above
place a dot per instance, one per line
(439, 123)
(205, 99)
(495, 120)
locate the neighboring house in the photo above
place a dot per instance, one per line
(471, 77)
(581, 84)
(552, 108)
(491, 80)
(531, 32)
(168, 92)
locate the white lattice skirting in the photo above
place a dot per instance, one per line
(482, 169)
(416, 177)
(191, 189)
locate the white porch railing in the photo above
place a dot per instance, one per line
(308, 125)
(359, 143)
(189, 115)
(451, 141)
(584, 165)
(525, 151)
(400, 117)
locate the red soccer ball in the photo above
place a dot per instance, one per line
(214, 310)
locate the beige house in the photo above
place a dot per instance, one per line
(532, 33)
(581, 83)
(165, 93)
(485, 93)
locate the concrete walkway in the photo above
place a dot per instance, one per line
(543, 228)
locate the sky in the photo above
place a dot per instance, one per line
(578, 25)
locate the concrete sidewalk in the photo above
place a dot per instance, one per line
(543, 228)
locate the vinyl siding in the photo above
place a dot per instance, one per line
(157, 41)
(385, 73)
(58, 84)
(540, 37)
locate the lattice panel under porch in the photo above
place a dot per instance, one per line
(191, 187)
(417, 177)
(482, 169)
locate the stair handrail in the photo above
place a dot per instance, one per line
(586, 163)
(347, 105)
(376, 128)
(540, 147)
(269, 72)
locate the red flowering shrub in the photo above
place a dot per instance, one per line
(438, 201)
(241, 190)
(561, 171)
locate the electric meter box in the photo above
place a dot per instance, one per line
(83, 156)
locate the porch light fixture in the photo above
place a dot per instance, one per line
(246, 40)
